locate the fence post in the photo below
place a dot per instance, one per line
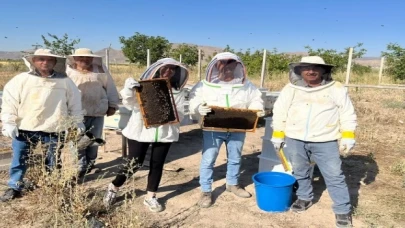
(349, 65)
(263, 68)
(107, 58)
(381, 70)
(199, 64)
(180, 58)
(147, 58)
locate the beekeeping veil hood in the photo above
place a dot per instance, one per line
(59, 67)
(295, 71)
(85, 52)
(177, 81)
(226, 68)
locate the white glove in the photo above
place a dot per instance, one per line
(131, 83)
(81, 129)
(277, 143)
(261, 113)
(10, 130)
(346, 145)
(203, 109)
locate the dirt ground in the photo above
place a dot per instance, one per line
(179, 190)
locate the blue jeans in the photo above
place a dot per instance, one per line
(23, 145)
(88, 156)
(326, 156)
(212, 141)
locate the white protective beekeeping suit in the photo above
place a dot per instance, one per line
(98, 88)
(135, 128)
(47, 104)
(235, 93)
(314, 114)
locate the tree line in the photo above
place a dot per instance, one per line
(135, 49)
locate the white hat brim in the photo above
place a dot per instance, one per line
(85, 55)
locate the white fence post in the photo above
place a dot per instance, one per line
(147, 58)
(263, 68)
(107, 58)
(349, 65)
(180, 58)
(381, 70)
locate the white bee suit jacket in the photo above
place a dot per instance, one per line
(317, 114)
(36, 103)
(239, 93)
(135, 128)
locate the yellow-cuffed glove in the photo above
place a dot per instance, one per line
(277, 139)
(347, 143)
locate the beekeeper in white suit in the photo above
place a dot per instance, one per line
(311, 113)
(160, 138)
(225, 86)
(38, 106)
(99, 98)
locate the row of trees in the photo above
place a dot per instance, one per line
(135, 49)
(278, 62)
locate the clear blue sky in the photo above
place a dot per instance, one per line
(287, 25)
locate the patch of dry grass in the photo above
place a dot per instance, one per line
(58, 201)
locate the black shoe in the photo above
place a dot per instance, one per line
(9, 194)
(343, 220)
(300, 205)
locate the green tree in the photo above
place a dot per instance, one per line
(339, 59)
(228, 49)
(252, 60)
(189, 54)
(278, 62)
(275, 62)
(395, 61)
(61, 46)
(135, 48)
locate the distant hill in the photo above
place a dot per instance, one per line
(116, 56)
(11, 55)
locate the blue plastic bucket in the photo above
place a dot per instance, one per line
(273, 191)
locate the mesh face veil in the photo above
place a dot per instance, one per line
(226, 69)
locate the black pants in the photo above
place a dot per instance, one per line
(136, 156)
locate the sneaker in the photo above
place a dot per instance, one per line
(343, 220)
(300, 205)
(9, 194)
(238, 190)
(153, 204)
(110, 195)
(205, 200)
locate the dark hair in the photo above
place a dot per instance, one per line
(175, 80)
